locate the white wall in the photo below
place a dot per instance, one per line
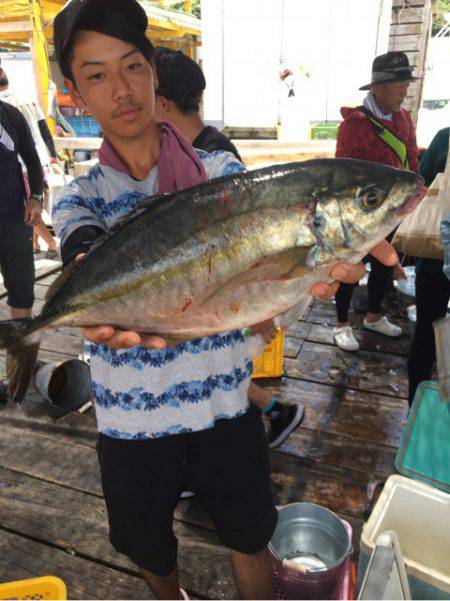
(335, 41)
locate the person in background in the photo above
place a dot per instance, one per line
(432, 285)
(383, 132)
(178, 98)
(18, 215)
(45, 148)
(181, 84)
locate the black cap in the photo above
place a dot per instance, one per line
(392, 66)
(67, 20)
(179, 77)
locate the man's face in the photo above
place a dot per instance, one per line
(390, 96)
(115, 82)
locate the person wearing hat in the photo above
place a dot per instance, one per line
(18, 216)
(169, 419)
(181, 84)
(381, 131)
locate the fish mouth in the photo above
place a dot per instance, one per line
(411, 202)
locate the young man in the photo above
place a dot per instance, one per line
(194, 435)
(17, 217)
(359, 138)
(181, 84)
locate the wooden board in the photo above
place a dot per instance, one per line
(371, 372)
(24, 558)
(69, 519)
(344, 412)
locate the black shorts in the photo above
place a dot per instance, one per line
(17, 263)
(227, 467)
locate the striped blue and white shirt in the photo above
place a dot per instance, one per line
(138, 393)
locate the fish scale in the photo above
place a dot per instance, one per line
(222, 255)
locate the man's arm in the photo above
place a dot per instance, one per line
(27, 151)
(47, 137)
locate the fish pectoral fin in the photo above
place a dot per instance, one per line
(283, 267)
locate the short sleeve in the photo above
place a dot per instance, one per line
(76, 205)
(219, 163)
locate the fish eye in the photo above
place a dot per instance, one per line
(371, 198)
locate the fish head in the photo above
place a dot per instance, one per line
(358, 204)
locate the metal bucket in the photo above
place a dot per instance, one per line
(309, 548)
(66, 385)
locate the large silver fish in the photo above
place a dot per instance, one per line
(222, 255)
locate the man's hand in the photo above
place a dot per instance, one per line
(266, 328)
(120, 339)
(33, 212)
(350, 274)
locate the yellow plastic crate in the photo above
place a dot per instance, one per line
(47, 587)
(270, 363)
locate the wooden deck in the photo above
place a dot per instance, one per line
(52, 515)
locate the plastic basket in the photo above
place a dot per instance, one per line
(84, 127)
(324, 131)
(270, 363)
(47, 587)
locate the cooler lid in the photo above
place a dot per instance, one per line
(424, 452)
(385, 577)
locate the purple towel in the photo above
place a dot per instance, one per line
(179, 166)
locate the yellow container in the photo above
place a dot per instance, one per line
(270, 363)
(47, 587)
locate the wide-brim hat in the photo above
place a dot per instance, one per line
(392, 66)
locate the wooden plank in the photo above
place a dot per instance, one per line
(372, 372)
(404, 43)
(400, 4)
(23, 558)
(405, 29)
(371, 460)
(347, 413)
(407, 15)
(78, 521)
(292, 346)
(75, 466)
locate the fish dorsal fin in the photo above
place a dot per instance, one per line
(284, 266)
(61, 279)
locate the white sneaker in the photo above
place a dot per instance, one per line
(385, 327)
(345, 339)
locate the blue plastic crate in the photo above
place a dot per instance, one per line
(85, 127)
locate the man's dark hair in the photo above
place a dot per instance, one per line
(3, 79)
(180, 79)
(112, 24)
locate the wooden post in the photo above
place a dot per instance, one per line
(39, 54)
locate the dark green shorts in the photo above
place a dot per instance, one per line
(17, 263)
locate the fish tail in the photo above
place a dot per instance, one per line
(21, 339)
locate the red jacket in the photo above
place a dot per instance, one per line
(357, 138)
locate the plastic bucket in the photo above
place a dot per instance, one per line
(310, 547)
(67, 386)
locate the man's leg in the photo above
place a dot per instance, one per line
(17, 263)
(253, 575)
(141, 483)
(163, 587)
(20, 313)
(432, 294)
(229, 470)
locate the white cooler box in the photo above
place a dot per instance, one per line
(420, 516)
